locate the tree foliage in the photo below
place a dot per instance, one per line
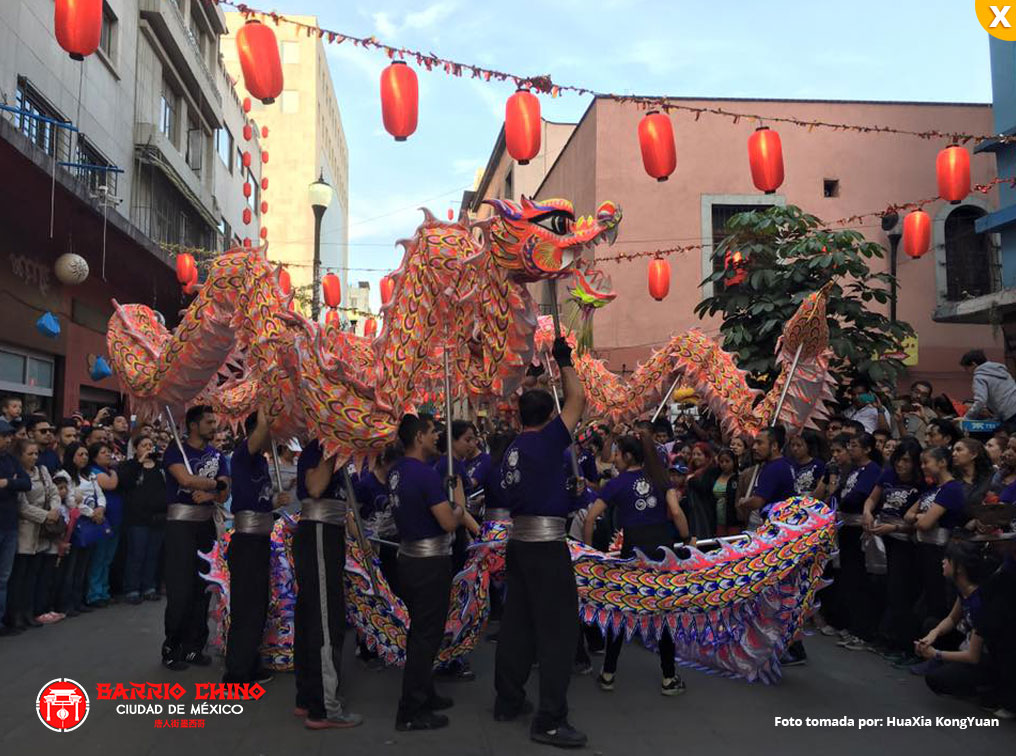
(786, 256)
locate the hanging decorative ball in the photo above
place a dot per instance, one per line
(245, 158)
(100, 369)
(400, 100)
(259, 59)
(387, 287)
(656, 138)
(917, 234)
(285, 282)
(48, 325)
(659, 279)
(264, 156)
(264, 232)
(451, 214)
(332, 288)
(332, 317)
(953, 169)
(264, 206)
(765, 155)
(370, 328)
(186, 268)
(71, 269)
(248, 132)
(264, 183)
(522, 126)
(78, 25)
(247, 189)
(246, 215)
(264, 132)
(734, 260)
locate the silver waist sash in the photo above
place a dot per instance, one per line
(496, 515)
(537, 529)
(427, 547)
(851, 518)
(934, 537)
(328, 511)
(253, 523)
(189, 512)
(888, 519)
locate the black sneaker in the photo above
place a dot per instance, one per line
(263, 676)
(457, 671)
(672, 686)
(560, 736)
(425, 720)
(173, 664)
(8, 631)
(605, 681)
(439, 703)
(506, 715)
(84, 609)
(134, 599)
(152, 596)
(198, 659)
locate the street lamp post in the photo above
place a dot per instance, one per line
(320, 193)
(890, 224)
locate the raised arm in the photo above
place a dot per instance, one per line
(574, 393)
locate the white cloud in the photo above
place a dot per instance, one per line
(389, 27)
(490, 96)
(429, 16)
(384, 25)
(466, 166)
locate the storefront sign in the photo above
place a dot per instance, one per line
(32, 272)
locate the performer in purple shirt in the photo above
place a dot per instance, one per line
(775, 479)
(541, 610)
(426, 522)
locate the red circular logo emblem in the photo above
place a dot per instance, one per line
(62, 705)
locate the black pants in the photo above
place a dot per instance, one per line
(248, 559)
(934, 602)
(856, 589)
(539, 623)
(958, 679)
(21, 587)
(902, 588)
(319, 557)
(70, 590)
(187, 593)
(426, 584)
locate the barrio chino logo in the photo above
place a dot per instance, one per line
(62, 705)
(998, 20)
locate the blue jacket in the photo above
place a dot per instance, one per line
(17, 482)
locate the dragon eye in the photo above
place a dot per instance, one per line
(557, 223)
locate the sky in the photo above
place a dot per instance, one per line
(924, 50)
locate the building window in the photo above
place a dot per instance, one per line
(107, 36)
(195, 146)
(509, 189)
(971, 261)
(254, 200)
(88, 155)
(224, 146)
(290, 101)
(831, 188)
(290, 52)
(721, 216)
(47, 136)
(225, 234)
(167, 112)
(25, 373)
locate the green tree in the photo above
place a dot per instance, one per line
(786, 256)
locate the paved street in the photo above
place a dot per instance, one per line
(120, 644)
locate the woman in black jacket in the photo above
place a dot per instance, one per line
(143, 484)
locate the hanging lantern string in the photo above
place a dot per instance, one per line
(208, 256)
(545, 84)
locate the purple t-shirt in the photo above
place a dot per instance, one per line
(534, 478)
(807, 476)
(204, 463)
(476, 469)
(637, 501)
(857, 487)
(441, 468)
(494, 496)
(413, 488)
(951, 496)
(897, 496)
(251, 484)
(775, 482)
(310, 458)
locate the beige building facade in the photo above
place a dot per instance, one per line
(305, 140)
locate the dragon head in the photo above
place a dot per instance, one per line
(809, 326)
(538, 240)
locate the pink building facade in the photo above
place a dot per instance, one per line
(830, 174)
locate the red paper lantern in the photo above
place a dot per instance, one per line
(264, 232)
(246, 215)
(285, 282)
(370, 328)
(656, 138)
(659, 279)
(400, 100)
(246, 242)
(264, 183)
(264, 156)
(451, 214)
(953, 168)
(186, 268)
(246, 104)
(191, 286)
(734, 260)
(264, 132)
(259, 59)
(246, 189)
(264, 206)
(332, 317)
(246, 159)
(387, 287)
(522, 126)
(78, 25)
(917, 234)
(765, 155)
(333, 290)
(248, 132)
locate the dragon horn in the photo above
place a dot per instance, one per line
(428, 216)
